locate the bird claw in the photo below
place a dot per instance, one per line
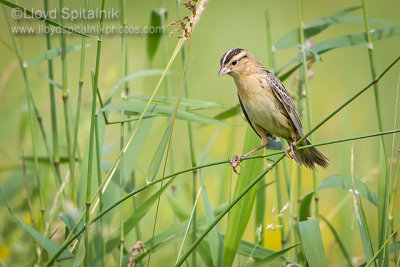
(291, 153)
(235, 162)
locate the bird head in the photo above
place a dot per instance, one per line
(236, 62)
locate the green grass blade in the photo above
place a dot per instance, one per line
(153, 40)
(383, 203)
(144, 208)
(273, 257)
(338, 240)
(317, 26)
(191, 104)
(312, 243)
(356, 39)
(155, 163)
(138, 107)
(214, 239)
(132, 76)
(312, 28)
(341, 42)
(50, 246)
(248, 249)
(233, 111)
(360, 217)
(240, 214)
(53, 53)
(259, 222)
(394, 247)
(47, 78)
(337, 181)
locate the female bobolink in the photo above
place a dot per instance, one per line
(267, 107)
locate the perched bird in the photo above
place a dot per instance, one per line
(267, 107)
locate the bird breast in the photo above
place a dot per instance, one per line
(262, 106)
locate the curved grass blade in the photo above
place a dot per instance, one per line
(395, 246)
(317, 26)
(312, 28)
(215, 238)
(44, 76)
(158, 15)
(156, 161)
(240, 214)
(248, 249)
(138, 107)
(273, 257)
(233, 111)
(344, 41)
(138, 74)
(338, 240)
(191, 104)
(53, 53)
(312, 243)
(50, 246)
(341, 182)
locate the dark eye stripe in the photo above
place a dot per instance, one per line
(229, 55)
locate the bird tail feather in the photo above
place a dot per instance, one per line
(310, 156)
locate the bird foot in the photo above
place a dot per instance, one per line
(289, 152)
(235, 162)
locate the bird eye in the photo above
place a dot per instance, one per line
(234, 62)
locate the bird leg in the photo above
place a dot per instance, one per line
(236, 160)
(290, 147)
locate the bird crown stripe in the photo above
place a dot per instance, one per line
(230, 54)
(224, 56)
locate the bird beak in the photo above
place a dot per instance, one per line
(223, 70)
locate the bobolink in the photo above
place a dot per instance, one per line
(267, 107)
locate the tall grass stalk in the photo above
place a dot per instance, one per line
(189, 223)
(300, 110)
(111, 172)
(75, 233)
(191, 148)
(392, 199)
(194, 163)
(78, 104)
(279, 202)
(122, 141)
(30, 120)
(384, 181)
(304, 79)
(169, 143)
(121, 191)
(192, 153)
(383, 246)
(65, 95)
(91, 136)
(360, 216)
(53, 110)
(33, 110)
(98, 159)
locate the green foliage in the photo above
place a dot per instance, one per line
(157, 20)
(161, 110)
(312, 243)
(240, 214)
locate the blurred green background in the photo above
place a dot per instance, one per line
(223, 26)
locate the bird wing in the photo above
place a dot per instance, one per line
(247, 116)
(284, 97)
